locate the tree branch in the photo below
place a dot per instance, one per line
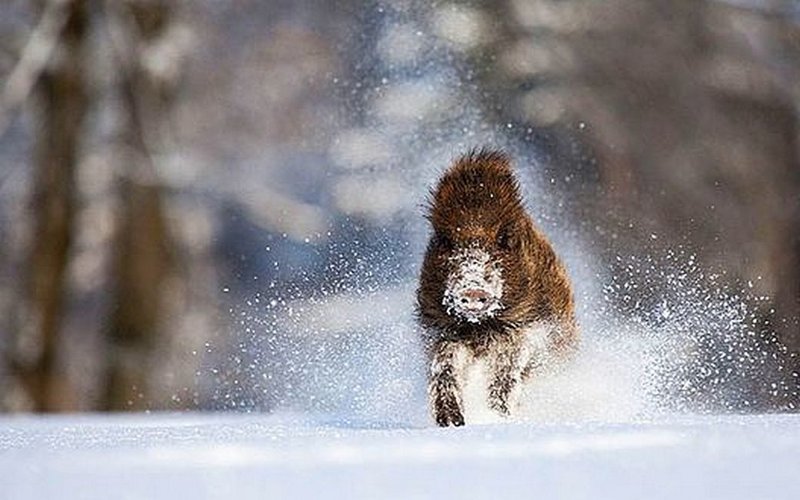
(33, 61)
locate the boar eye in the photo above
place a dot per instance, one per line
(443, 241)
(505, 239)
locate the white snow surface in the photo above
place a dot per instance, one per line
(225, 456)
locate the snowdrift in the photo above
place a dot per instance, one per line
(224, 456)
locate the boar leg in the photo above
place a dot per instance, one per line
(445, 384)
(506, 374)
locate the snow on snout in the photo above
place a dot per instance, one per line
(473, 271)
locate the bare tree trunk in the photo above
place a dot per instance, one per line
(142, 263)
(140, 268)
(63, 104)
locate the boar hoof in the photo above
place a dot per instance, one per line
(446, 416)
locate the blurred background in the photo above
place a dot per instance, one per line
(216, 204)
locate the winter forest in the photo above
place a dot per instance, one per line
(212, 216)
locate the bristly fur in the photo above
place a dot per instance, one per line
(477, 203)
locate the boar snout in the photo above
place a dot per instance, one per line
(474, 299)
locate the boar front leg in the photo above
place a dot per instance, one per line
(506, 376)
(445, 383)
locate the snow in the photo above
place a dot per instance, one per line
(210, 456)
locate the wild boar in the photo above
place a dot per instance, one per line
(491, 289)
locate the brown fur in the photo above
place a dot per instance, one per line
(477, 203)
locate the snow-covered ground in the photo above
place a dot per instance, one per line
(225, 456)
